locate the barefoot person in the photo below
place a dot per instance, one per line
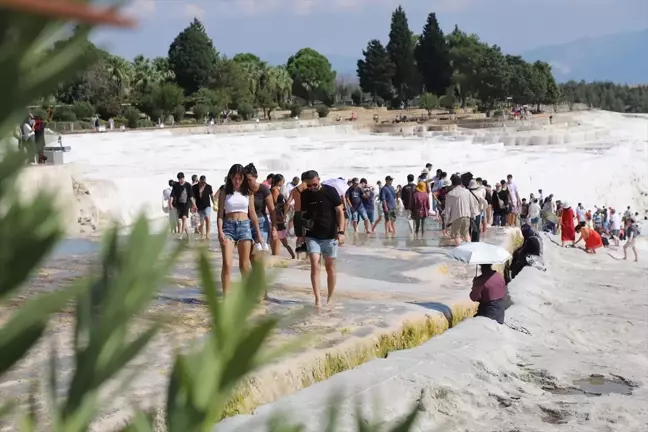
(182, 200)
(279, 199)
(567, 230)
(632, 231)
(590, 236)
(323, 218)
(236, 221)
(295, 201)
(204, 196)
(388, 201)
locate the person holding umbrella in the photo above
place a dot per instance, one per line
(489, 290)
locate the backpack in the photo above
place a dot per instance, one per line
(183, 195)
(637, 229)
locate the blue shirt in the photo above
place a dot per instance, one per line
(388, 195)
(368, 202)
(355, 196)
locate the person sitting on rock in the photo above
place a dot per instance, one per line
(489, 289)
(531, 246)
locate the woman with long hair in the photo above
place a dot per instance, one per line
(237, 220)
(263, 206)
(592, 238)
(280, 203)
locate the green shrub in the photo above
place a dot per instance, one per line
(295, 110)
(323, 111)
(356, 97)
(132, 117)
(178, 113)
(83, 109)
(200, 111)
(109, 108)
(121, 121)
(246, 111)
(64, 114)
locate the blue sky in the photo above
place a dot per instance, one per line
(274, 29)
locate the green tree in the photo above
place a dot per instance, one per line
(522, 81)
(433, 58)
(551, 91)
(120, 71)
(466, 52)
(428, 102)
(311, 73)
(280, 82)
(163, 69)
(401, 52)
(230, 82)
(166, 97)
(192, 57)
(493, 78)
(375, 72)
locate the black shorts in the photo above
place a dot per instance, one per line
(297, 223)
(390, 215)
(183, 210)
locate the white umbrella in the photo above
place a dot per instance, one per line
(339, 184)
(480, 253)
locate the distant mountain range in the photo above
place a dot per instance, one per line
(621, 58)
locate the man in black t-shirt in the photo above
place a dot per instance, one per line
(182, 200)
(323, 219)
(204, 197)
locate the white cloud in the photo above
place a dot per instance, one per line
(140, 8)
(192, 10)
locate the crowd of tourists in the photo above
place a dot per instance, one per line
(256, 217)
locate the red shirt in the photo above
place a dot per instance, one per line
(488, 287)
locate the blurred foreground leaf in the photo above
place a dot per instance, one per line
(130, 276)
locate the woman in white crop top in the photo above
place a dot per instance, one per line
(236, 220)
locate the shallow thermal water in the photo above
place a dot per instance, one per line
(126, 172)
(585, 316)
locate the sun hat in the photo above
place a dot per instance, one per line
(565, 204)
(473, 184)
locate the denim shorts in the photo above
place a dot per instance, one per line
(328, 248)
(358, 214)
(237, 230)
(205, 213)
(264, 226)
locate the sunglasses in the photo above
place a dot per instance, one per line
(313, 186)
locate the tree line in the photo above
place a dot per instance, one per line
(607, 96)
(457, 68)
(193, 77)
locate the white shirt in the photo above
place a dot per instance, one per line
(534, 210)
(166, 194)
(27, 130)
(581, 214)
(615, 221)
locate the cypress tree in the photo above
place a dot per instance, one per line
(401, 52)
(375, 71)
(192, 57)
(432, 56)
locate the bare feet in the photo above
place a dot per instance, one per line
(318, 302)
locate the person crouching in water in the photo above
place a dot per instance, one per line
(489, 289)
